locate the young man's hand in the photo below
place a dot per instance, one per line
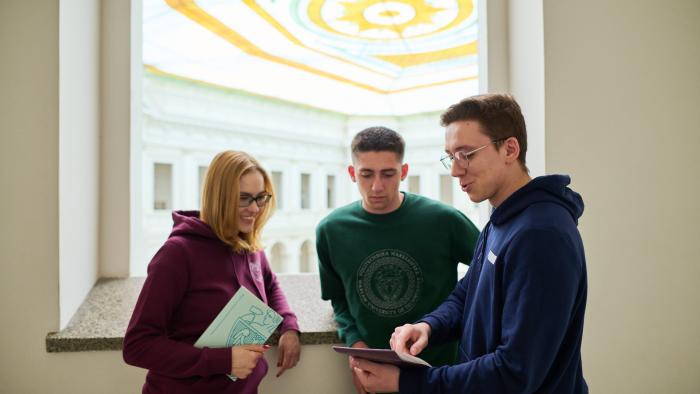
(289, 350)
(355, 380)
(375, 377)
(410, 338)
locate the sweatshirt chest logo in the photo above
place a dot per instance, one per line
(389, 282)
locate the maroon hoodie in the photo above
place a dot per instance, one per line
(190, 279)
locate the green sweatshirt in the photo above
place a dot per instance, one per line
(382, 271)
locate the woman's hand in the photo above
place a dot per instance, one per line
(288, 352)
(244, 358)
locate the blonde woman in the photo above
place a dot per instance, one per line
(206, 259)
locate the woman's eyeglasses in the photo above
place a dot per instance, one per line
(261, 200)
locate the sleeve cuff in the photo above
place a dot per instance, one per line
(411, 380)
(218, 361)
(351, 338)
(289, 324)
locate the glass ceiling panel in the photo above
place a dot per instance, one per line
(371, 57)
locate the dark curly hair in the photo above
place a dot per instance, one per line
(378, 139)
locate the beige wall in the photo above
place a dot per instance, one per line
(29, 266)
(29, 191)
(115, 141)
(78, 165)
(622, 97)
(526, 74)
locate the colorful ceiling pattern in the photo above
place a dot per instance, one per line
(352, 56)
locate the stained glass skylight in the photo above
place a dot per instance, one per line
(374, 57)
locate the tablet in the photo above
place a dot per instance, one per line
(386, 356)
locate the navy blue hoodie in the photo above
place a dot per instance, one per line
(518, 312)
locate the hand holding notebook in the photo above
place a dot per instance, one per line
(244, 320)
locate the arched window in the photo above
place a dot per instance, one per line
(307, 257)
(277, 258)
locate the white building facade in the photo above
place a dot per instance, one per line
(306, 150)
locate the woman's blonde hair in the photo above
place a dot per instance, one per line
(221, 199)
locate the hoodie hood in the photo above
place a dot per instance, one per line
(549, 188)
(188, 223)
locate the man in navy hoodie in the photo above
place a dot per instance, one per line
(518, 312)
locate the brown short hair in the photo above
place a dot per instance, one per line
(499, 115)
(221, 196)
(378, 139)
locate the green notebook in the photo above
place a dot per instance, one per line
(245, 320)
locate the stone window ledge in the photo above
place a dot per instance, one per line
(100, 322)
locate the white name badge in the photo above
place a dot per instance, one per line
(492, 257)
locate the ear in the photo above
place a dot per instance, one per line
(351, 171)
(404, 171)
(512, 150)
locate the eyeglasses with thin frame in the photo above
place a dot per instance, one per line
(462, 158)
(245, 200)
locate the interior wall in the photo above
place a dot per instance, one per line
(78, 165)
(29, 176)
(526, 74)
(493, 46)
(115, 141)
(29, 242)
(622, 91)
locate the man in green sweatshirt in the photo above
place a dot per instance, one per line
(391, 257)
